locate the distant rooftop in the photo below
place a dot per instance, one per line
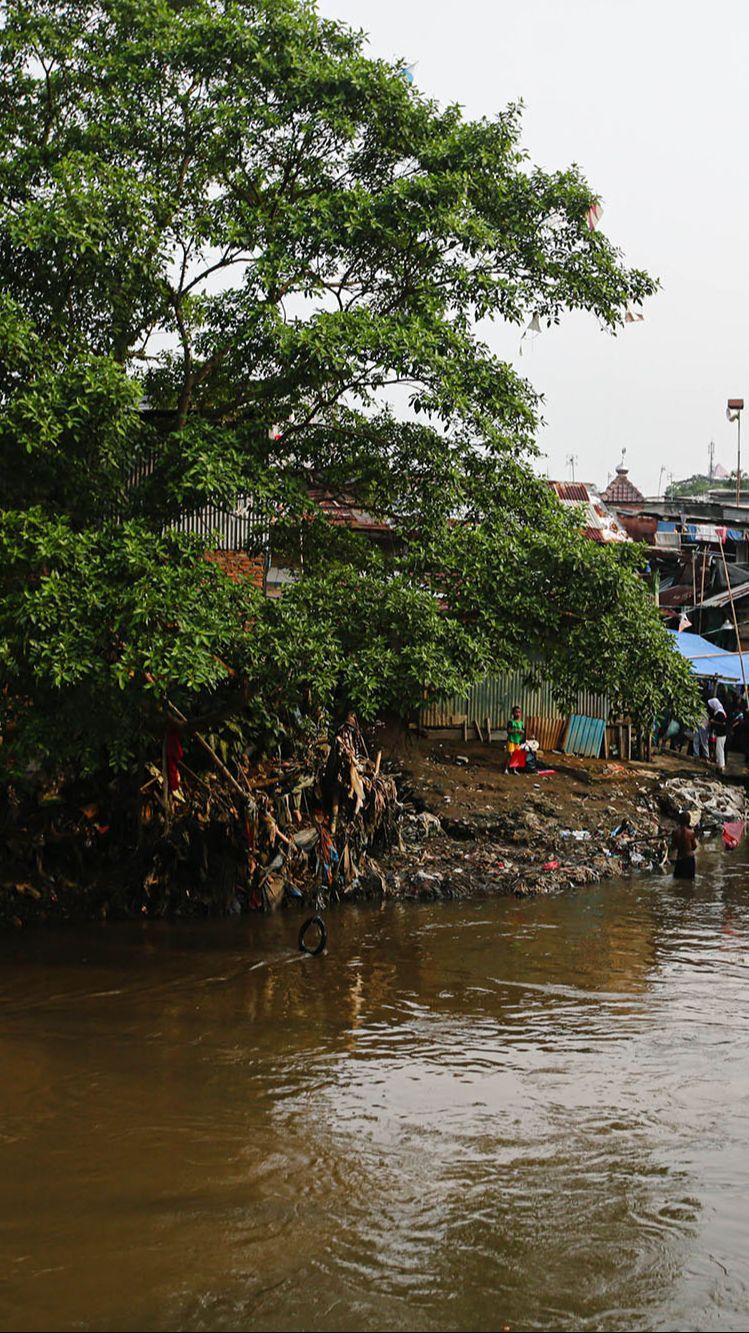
(599, 524)
(621, 490)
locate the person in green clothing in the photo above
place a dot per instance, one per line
(515, 733)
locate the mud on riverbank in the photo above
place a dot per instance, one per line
(475, 830)
(458, 827)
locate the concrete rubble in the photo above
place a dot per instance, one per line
(712, 802)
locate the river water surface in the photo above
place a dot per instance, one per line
(527, 1114)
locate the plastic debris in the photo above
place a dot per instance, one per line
(733, 832)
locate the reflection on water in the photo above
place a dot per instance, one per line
(523, 1113)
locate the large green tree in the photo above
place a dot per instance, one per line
(226, 210)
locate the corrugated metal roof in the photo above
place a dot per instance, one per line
(574, 492)
(723, 598)
(599, 524)
(343, 511)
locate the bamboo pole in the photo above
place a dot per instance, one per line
(733, 613)
(165, 777)
(702, 587)
(219, 763)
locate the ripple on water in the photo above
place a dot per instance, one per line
(509, 1112)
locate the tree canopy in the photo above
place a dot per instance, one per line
(238, 256)
(699, 485)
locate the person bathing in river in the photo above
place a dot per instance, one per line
(684, 845)
(515, 734)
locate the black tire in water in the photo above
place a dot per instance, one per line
(317, 922)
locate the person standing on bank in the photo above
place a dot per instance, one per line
(515, 733)
(684, 845)
(719, 729)
(701, 736)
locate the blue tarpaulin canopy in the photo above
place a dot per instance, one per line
(708, 660)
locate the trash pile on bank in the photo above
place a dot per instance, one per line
(210, 841)
(523, 853)
(197, 837)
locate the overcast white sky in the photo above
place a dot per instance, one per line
(649, 98)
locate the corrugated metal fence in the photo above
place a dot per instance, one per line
(244, 527)
(495, 696)
(584, 735)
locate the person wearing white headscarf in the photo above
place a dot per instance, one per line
(719, 729)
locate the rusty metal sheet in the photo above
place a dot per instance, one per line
(548, 731)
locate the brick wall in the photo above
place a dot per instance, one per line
(239, 565)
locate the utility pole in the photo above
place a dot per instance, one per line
(733, 412)
(571, 461)
(711, 460)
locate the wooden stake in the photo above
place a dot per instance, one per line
(219, 763)
(733, 613)
(165, 775)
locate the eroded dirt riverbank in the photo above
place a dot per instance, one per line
(438, 820)
(588, 821)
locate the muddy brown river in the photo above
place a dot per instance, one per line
(527, 1114)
